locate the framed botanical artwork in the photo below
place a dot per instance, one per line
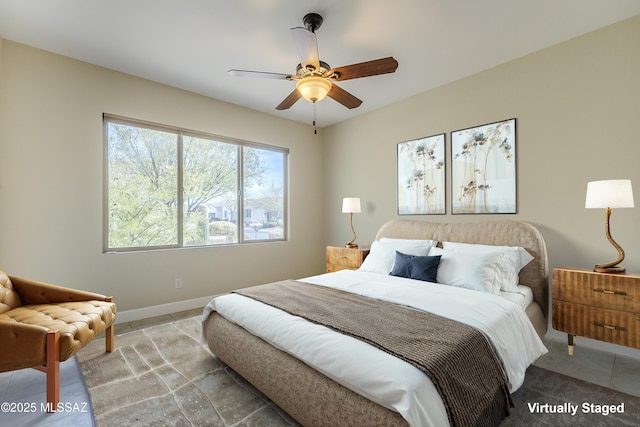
(421, 176)
(483, 169)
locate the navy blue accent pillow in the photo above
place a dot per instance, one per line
(416, 267)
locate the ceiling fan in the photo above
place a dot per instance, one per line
(315, 79)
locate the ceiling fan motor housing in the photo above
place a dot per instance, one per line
(322, 70)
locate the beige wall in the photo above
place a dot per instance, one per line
(578, 119)
(51, 166)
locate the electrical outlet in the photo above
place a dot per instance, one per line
(178, 283)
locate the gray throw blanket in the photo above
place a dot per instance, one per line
(457, 358)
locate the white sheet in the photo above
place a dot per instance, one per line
(373, 373)
(523, 297)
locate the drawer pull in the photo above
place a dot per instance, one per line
(602, 325)
(610, 292)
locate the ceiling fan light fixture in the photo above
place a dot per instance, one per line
(313, 88)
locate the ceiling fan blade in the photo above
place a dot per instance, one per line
(366, 69)
(306, 46)
(289, 100)
(260, 74)
(343, 97)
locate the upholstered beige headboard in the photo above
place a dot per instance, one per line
(504, 233)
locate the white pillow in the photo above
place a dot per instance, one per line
(382, 254)
(476, 271)
(514, 259)
(414, 242)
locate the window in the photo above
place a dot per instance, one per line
(170, 188)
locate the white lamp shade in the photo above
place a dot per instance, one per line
(351, 205)
(613, 193)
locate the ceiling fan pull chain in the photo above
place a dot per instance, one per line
(315, 131)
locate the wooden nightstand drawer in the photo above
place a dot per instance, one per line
(616, 292)
(343, 256)
(602, 306)
(616, 327)
(339, 258)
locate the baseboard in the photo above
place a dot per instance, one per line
(595, 344)
(162, 309)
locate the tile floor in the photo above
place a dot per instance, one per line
(27, 387)
(24, 390)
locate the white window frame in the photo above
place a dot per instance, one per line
(180, 132)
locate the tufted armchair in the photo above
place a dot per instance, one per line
(42, 325)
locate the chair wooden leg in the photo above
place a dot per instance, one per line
(109, 333)
(53, 370)
(109, 339)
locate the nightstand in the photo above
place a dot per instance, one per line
(602, 306)
(342, 258)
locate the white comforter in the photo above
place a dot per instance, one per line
(373, 373)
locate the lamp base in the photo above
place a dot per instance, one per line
(611, 270)
(351, 245)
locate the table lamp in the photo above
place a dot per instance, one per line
(608, 194)
(351, 205)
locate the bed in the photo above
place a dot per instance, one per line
(319, 383)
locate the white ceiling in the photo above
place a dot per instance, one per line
(190, 44)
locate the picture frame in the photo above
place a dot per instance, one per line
(483, 169)
(421, 177)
